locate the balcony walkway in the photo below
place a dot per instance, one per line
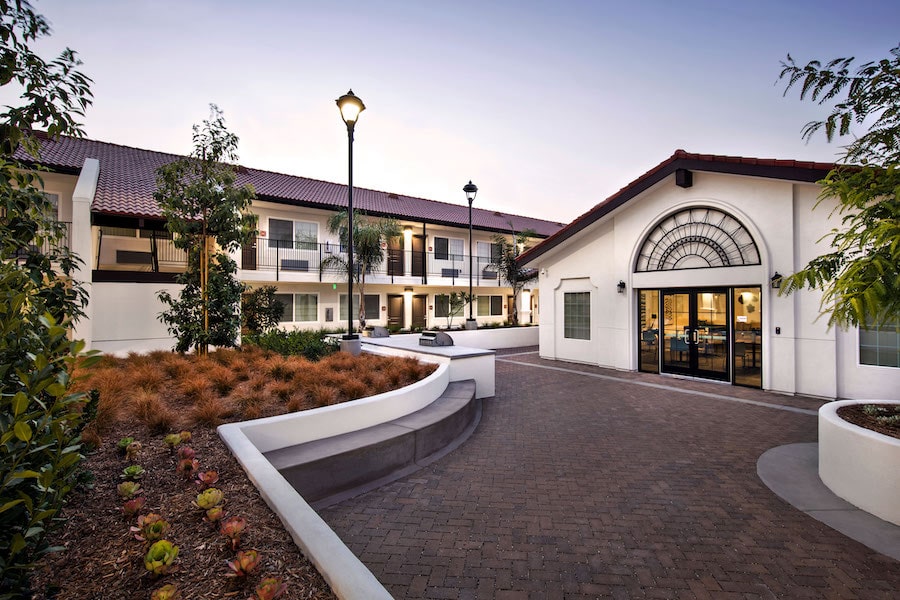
(582, 482)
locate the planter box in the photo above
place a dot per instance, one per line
(860, 465)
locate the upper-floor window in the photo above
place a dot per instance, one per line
(448, 248)
(302, 235)
(879, 345)
(488, 253)
(53, 211)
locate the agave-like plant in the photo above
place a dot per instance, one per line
(150, 527)
(128, 489)
(186, 452)
(215, 514)
(270, 588)
(244, 563)
(123, 444)
(232, 528)
(160, 556)
(132, 450)
(172, 440)
(132, 472)
(185, 436)
(188, 466)
(209, 498)
(167, 592)
(207, 479)
(133, 506)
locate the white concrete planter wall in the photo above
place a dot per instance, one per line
(494, 339)
(859, 465)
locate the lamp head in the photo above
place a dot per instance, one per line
(776, 280)
(470, 189)
(350, 106)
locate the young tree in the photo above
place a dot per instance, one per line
(457, 302)
(40, 421)
(208, 216)
(260, 310)
(369, 235)
(860, 276)
(508, 267)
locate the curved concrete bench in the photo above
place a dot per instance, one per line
(333, 469)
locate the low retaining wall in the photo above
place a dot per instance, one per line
(859, 465)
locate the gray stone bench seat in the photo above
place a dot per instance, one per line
(333, 469)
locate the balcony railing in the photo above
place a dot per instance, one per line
(47, 245)
(287, 259)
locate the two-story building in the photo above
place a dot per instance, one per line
(105, 192)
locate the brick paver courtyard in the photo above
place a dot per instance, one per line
(583, 483)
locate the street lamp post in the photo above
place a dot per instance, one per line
(350, 106)
(470, 189)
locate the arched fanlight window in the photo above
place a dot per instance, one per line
(697, 238)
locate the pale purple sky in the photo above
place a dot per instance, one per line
(549, 107)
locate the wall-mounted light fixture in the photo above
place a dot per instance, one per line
(408, 289)
(775, 281)
(620, 287)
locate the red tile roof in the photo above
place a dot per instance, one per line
(791, 170)
(128, 179)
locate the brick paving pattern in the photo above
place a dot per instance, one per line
(584, 487)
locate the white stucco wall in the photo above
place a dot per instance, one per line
(125, 317)
(805, 357)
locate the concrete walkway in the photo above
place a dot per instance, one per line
(588, 483)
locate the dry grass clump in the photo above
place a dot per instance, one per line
(165, 391)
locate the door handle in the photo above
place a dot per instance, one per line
(695, 336)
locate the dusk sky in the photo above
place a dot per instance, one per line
(549, 107)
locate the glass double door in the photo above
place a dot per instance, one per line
(694, 332)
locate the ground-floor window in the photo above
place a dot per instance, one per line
(298, 307)
(879, 345)
(577, 315)
(372, 306)
(441, 305)
(489, 306)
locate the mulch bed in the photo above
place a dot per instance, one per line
(856, 414)
(103, 560)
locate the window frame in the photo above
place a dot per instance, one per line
(495, 302)
(582, 327)
(877, 347)
(295, 243)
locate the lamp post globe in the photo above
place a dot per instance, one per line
(470, 190)
(350, 106)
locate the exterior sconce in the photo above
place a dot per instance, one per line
(620, 287)
(775, 281)
(408, 289)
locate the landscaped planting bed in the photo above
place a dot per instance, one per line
(152, 399)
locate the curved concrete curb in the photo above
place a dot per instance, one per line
(791, 472)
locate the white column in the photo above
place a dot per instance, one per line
(407, 251)
(81, 241)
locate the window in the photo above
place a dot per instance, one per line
(118, 231)
(880, 345)
(577, 315)
(293, 234)
(488, 253)
(441, 305)
(448, 248)
(373, 306)
(298, 307)
(53, 210)
(489, 306)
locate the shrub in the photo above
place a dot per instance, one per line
(309, 344)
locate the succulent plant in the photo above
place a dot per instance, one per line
(132, 450)
(270, 588)
(166, 592)
(244, 563)
(185, 452)
(128, 489)
(207, 479)
(215, 514)
(232, 528)
(123, 444)
(188, 466)
(185, 436)
(132, 472)
(133, 506)
(150, 527)
(160, 556)
(172, 440)
(209, 498)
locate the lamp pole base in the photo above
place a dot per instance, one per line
(471, 324)
(351, 344)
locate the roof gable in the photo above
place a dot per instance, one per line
(771, 168)
(128, 179)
